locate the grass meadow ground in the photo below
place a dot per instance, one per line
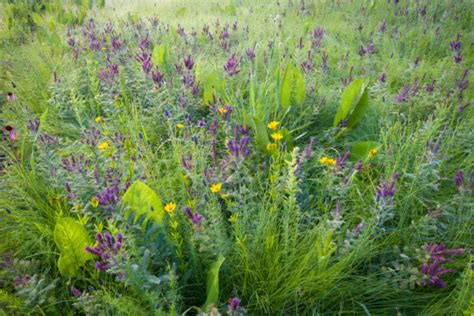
(288, 157)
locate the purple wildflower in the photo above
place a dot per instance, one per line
(106, 248)
(459, 179)
(157, 77)
(33, 125)
(195, 89)
(195, 217)
(385, 190)
(188, 62)
(48, 139)
(75, 292)
(12, 134)
(402, 96)
(308, 149)
(234, 304)
(250, 54)
(433, 269)
(11, 97)
(232, 65)
(341, 161)
(145, 59)
(456, 44)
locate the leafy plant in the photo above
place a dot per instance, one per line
(142, 201)
(71, 237)
(354, 101)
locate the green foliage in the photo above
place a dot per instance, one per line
(212, 284)
(71, 237)
(354, 101)
(292, 89)
(301, 227)
(142, 201)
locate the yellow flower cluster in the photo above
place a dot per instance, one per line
(170, 207)
(216, 188)
(277, 136)
(327, 161)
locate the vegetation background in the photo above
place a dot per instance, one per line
(241, 157)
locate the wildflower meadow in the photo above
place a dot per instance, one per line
(236, 157)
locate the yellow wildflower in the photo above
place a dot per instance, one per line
(277, 136)
(271, 147)
(95, 202)
(327, 161)
(103, 145)
(180, 125)
(373, 152)
(170, 207)
(99, 119)
(216, 188)
(273, 125)
(222, 110)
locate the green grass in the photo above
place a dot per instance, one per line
(299, 236)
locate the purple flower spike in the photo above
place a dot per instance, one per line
(385, 190)
(195, 218)
(188, 62)
(402, 96)
(107, 247)
(433, 269)
(232, 65)
(75, 292)
(459, 180)
(234, 304)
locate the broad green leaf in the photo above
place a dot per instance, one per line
(212, 285)
(350, 98)
(71, 237)
(299, 86)
(359, 109)
(261, 135)
(159, 54)
(285, 89)
(360, 150)
(292, 89)
(143, 201)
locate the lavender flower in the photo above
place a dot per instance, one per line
(188, 79)
(456, 44)
(250, 54)
(145, 59)
(195, 89)
(234, 304)
(402, 96)
(341, 161)
(459, 179)
(188, 62)
(433, 268)
(385, 190)
(91, 136)
(106, 248)
(48, 139)
(157, 77)
(33, 125)
(75, 292)
(308, 149)
(232, 65)
(187, 162)
(195, 218)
